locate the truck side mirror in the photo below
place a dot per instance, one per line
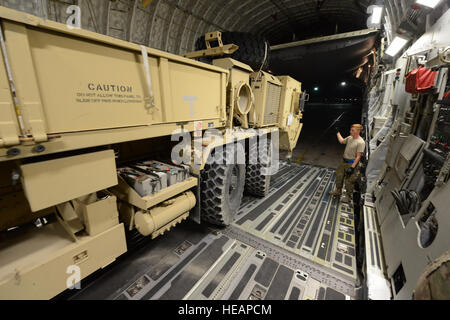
(304, 97)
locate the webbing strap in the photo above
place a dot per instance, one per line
(150, 101)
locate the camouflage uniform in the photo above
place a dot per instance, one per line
(434, 283)
(349, 180)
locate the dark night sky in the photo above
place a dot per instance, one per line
(333, 89)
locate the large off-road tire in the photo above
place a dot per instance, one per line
(222, 187)
(256, 183)
(253, 50)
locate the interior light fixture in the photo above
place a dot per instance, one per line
(358, 72)
(377, 14)
(396, 45)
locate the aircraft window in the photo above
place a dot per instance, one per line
(399, 279)
(428, 227)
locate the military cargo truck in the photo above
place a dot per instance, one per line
(86, 138)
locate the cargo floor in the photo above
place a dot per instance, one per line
(297, 243)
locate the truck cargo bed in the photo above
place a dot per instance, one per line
(78, 89)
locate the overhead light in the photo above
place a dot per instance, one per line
(396, 45)
(316, 88)
(343, 83)
(376, 14)
(358, 72)
(428, 3)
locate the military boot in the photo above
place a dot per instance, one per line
(336, 192)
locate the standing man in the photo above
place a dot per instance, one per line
(349, 166)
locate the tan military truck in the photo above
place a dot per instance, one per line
(84, 119)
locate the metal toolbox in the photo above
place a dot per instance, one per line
(181, 172)
(144, 184)
(141, 167)
(172, 173)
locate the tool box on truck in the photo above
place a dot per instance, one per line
(172, 173)
(144, 184)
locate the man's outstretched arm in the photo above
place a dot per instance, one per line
(340, 139)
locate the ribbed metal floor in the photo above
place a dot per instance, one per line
(300, 216)
(297, 243)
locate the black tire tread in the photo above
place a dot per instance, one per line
(256, 183)
(214, 208)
